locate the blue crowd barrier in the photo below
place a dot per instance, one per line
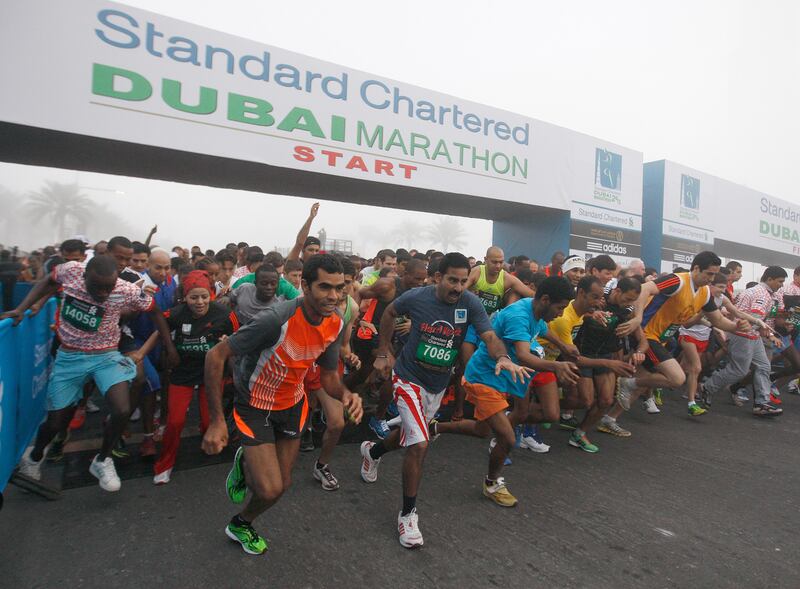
(25, 364)
(21, 290)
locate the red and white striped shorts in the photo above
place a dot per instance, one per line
(417, 407)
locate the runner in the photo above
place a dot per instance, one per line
(140, 257)
(88, 328)
(250, 298)
(293, 271)
(440, 316)
(384, 259)
(197, 326)
(494, 287)
(695, 335)
(274, 352)
(376, 298)
(518, 326)
(574, 269)
(556, 262)
(746, 349)
(734, 276)
(662, 307)
(600, 347)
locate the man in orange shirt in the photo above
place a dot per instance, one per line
(273, 354)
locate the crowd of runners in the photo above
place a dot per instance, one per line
(271, 347)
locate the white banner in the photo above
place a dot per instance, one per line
(112, 71)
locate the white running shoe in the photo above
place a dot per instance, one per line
(369, 467)
(136, 415)
(625, 389)
(162, 478)
(29, 467)
(105, 473)
(91, 406)
(794, 387)
(408, 528)
(650, 406)
(530, 443)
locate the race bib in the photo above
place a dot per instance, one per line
(436, 355)
(669, 332)
(82, 315)
(491, 302)
(194, 345)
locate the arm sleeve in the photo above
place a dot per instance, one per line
(262, 332)
(234, 323)
(287, 289)
(668, 285)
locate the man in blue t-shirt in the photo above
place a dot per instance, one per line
(440, 315)
(518, 326)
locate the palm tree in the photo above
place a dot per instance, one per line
(58, 201)
(408, 233)
(447, 232)
(9, 202)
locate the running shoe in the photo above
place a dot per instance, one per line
(695, 410)
(499, 493)
(737, 400)
(105, 473)
(775, 395)
(583, 443)
(307, 441)
(163, 478)
(408, 528)
(91, 406)
(657, 396)
(766, 410)
(532, 440)
(379, 427)
(56, 451)
(120, 450)
(29, 467)
(794, 387)
(235, 485)
(650, 406)
(609, 425)
(249, 539)
(625, 389)
(369, 466)
(325, 476)
(569, 424)
(135, 416)
(78, 418)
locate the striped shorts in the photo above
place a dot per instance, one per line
(417, 407)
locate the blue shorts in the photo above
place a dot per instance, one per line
(72, 370)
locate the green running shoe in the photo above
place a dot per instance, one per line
(583, 443)
(235, 485)
(251, 542)
(695, 410)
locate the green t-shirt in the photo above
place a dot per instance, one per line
(285, 288)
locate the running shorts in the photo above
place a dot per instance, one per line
(487, 401)
(701, 345)
(542, 378)
(417, 407)
(589, 372)
(655, 355)
(73, 369)
(264, 426)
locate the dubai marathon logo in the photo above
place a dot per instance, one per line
(607, 176)
(690, 197)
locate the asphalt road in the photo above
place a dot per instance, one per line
(703, 502)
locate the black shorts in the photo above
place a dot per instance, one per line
(590, 371)
(655, 355)
(263, 426)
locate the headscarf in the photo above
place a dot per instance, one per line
(197, 279)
